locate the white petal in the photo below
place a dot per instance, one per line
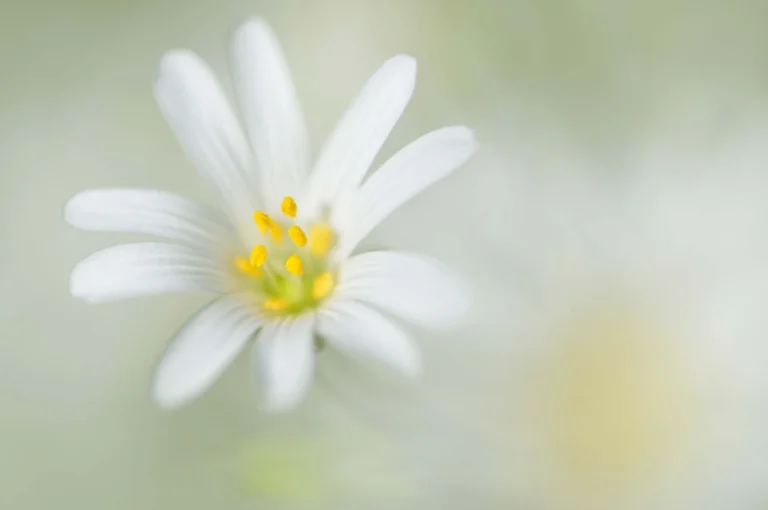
(140, 269)
(415, 287)
(271, 110)
(194, 105)
(151, 212)
(284, 352)
(365, 333)
(409, 172)
(201, 351)
(351, 148)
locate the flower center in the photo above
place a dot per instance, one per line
(289, 275)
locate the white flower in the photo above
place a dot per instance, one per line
(280, 253)
(642, 384)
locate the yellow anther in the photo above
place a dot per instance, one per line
(275, 304)
(288, 207)
(297, 235)
(322, 286)
(320, 239)
(276, 232)
(244, 266)
(294, 265)
(263, 221)
(258, 255)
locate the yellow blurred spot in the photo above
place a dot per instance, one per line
(290, 471)
(244, 266)
(258, 255)
(615, 405)
(275, 304)
(263, 221)
(320, 238)
(322, 286)
(294, 265)
(298, 236)
(288, 207)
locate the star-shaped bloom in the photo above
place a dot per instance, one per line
(279, 252)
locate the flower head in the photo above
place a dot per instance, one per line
(279, 250)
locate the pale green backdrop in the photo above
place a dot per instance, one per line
(78, 429)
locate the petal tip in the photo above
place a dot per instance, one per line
(253, 35)
(472, 139)
(278, 401)
(69, 210)
(165, 399)
(405, 64)
(256, 24)
(76, 287)
(468, 133)
(405, 60)
(415, 367)
(465, 135)
(82, 206)
(175, 57)
(167, 393)
(174, 62)
(82, 291)
(280, 405)
(465, 141)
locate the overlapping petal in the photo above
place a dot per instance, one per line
(415, 287)
(141, 269)
(359, 135)
(203, 349)
(365, 333)
(271, 111)
(284, 358)
(151, 212)
(197, 110)
(405, 175)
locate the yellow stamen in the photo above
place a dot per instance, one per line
(245, 266)
(297, 235)
(294, 265)
(288, 207)
(275, 304)
(258, 255)
(276, 232)
(322, 286)
(320, 238)
(263, 221)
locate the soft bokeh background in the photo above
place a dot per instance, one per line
(555, 88)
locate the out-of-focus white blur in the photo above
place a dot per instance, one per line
(611, 227)
(639, 381)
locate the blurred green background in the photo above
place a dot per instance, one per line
(77, 426)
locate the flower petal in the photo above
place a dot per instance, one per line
(415, 287)
(358, 137)
(139, 269)
(285, 355)
(406, 174)
(271, 111)
(151, 212)
(201, 351)
(194, 105)
(363, 332)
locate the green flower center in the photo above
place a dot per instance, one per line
(289, 277)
